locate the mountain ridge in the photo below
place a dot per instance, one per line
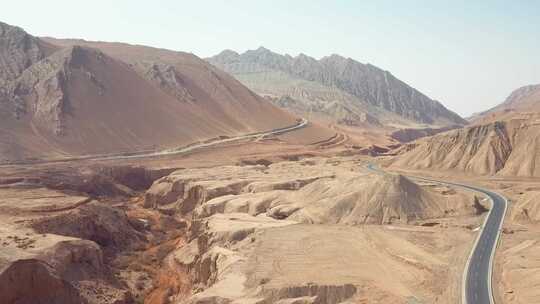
(365, 85)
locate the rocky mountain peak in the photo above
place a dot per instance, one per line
(167, 78)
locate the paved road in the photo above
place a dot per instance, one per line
(178, 151)
(477, 276)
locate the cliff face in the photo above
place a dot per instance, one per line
(363, 88)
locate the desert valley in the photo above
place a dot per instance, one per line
(134, 174)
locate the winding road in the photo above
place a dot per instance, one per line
(177, 151)
(478, 273)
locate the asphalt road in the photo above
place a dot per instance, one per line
(478, 272)
(477, 281)
(182, 150)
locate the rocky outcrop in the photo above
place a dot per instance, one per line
(168, 78)
(107, 226)
(185, 195)
(42, 88)
(18, 51)
(48, 268)
(186, 190)
(76, 260)
(43, 285)
(361, 88)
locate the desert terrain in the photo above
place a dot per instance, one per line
(132, 174)
(215, 233)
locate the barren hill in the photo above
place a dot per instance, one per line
(507, 147)
(74, 97)
(380, 200)
(341, 88)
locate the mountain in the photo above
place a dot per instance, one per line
(73, 97)
(339, 88)
(522, 100)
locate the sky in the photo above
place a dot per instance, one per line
(470, 55)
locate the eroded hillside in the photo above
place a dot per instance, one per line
(503, 147)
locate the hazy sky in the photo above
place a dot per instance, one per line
(468, 54)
